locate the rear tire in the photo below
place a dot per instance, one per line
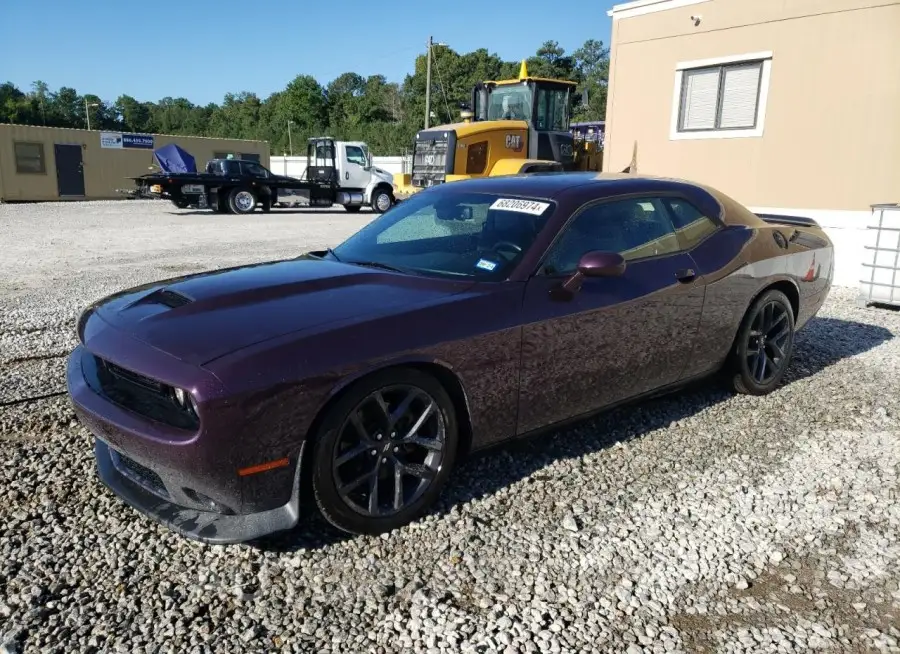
(764, 345)
(242, 200)
(395, 423)
(352, 208)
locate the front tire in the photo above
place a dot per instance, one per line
(382, 200)
(384, 451)
(242, 200)
(764, 345)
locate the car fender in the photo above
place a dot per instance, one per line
(396, 362)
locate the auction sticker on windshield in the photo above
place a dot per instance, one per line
(522, 206)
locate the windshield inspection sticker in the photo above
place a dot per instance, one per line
(522, 206)
(484, 264)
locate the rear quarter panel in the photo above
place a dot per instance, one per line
(740, 263)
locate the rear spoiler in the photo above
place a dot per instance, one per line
(799, 221)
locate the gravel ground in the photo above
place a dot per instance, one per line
(700, 522)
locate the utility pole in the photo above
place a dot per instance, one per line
(428, 87)
(87, 115)
(290, 140)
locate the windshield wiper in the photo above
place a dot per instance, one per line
(331, 252)
(381, 266)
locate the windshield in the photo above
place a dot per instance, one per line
(510, 103)
(477, 235)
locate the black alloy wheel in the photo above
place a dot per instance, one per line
(765, 344)
(384, 453)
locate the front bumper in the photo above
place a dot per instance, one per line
(204, 526)
(187, 481)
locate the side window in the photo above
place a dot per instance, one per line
(255, 170)
(690, 224)
(356, 155)
(635, 228)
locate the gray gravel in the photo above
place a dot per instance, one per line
(700, 522)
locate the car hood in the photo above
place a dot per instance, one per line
(202, 317)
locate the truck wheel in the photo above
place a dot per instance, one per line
(242, 200)
(181, 203)
(382, 200)
(352, 208)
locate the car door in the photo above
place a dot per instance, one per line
(354, 164)
(617, 337)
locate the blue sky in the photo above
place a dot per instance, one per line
(201, 49)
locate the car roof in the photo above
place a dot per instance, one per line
(550, 184)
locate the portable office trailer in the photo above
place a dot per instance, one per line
(51, 163)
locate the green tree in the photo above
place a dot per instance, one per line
(592, 64)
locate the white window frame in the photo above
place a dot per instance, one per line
(675, 134)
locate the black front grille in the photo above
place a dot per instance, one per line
(141, 475)
(433, 158)
(138, 393)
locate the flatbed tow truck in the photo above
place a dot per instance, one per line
(337, 172)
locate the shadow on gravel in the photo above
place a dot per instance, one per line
(823, 342)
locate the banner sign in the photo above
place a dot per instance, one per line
(143, 141)
(110, 140)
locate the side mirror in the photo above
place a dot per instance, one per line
(594, 264)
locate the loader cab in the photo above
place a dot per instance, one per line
(541, 102)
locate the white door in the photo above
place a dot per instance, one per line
(353, 163)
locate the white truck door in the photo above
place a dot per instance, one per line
(353, 163)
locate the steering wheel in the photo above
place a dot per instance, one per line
(512, 246)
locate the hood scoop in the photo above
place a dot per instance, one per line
(164, 296)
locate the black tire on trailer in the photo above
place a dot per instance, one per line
(382, 199)
(181, 203)
(221, 202)
(242, 200)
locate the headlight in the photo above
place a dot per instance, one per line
(181, 397)
(184, 399)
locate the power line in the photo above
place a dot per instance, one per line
(443, 92)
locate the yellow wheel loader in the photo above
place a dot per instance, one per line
(515, 126)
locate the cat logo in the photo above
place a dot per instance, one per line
(565, 149)
(514, 142)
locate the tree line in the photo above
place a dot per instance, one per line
(384, 114)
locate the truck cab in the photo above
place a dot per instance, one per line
(347, 168)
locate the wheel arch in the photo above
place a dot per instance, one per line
(786, 286)
(376, 186)
(445, 376)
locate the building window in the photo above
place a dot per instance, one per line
(30, 157)
(721, 98)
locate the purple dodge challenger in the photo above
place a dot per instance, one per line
(474, 312)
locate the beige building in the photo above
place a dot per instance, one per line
(50, 163)
(789, 106)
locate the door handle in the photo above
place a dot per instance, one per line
(685, 275)
(347, 175)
